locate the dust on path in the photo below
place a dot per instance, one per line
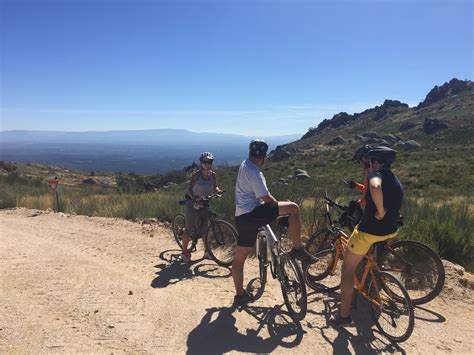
(79, 284)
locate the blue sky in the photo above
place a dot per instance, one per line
(244, 67)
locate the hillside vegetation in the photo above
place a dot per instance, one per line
(435, 163)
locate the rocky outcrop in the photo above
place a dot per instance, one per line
(342, 118)
(433, 125)
(337, 141)
(280, 153)
(406, 126)
(453, 87)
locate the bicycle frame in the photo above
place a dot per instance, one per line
(212, 216)
(274, 247)
(370, 266)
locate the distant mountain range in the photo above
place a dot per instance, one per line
(141, 151)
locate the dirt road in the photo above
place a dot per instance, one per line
(79, 284)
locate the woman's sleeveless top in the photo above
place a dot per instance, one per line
(203, 187)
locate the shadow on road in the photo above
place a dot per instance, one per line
(217, 332)
(172, 270)
(365, 341)
(427, 315)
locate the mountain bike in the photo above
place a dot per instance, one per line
(414, 264)
(285, 269)
(221, 236)
(390, 306)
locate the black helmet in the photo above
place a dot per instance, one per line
(382, 154)
(258, 148)
(361, 152)
(206, 156)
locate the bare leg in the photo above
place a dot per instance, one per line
(240, 255)
(292, 210)
(186, 239)
(351, 260)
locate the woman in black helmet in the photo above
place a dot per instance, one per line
(380, 221)
(361, 157)
(203, 183)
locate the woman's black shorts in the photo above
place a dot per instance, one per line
(248, 223)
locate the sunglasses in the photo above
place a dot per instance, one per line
(207, 162)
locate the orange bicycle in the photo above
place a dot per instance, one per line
(413, 263)
(389, 303)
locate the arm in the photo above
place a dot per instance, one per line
(377, 197)
(216, 186)
(268, 199)
(194, 178)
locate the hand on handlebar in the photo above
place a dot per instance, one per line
(349, 183)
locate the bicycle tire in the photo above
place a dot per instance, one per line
(318, 274)
(293, 287)
(417, 267)
(320, 240)
(392, 309)
(221, 241)
(178, 227)
(262, 262)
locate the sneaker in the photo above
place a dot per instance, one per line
(337, 321)
(206, 256)
(186, 256)
(303, 255)
(243, 299)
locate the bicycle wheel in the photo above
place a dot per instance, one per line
(221, 241)
(416, 266)
(320, 275)
(320, 240)
(293, 287)
(178, 229)
(393, 315)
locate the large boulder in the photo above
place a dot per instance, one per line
(301, 174)
(390, 138)
(369, 140)
(89, 181)
(433, 124)
(370, 135)
(280, 153)
(411, 144)
(383, 142)
(406, 126)
(337, 141)
(400, 144)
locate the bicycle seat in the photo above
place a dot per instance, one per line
(182, 202)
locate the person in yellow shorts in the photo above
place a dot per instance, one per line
(380, 221)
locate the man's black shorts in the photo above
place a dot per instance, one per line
(248, 223)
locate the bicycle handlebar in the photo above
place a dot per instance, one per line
(203, 198)
(334, 203)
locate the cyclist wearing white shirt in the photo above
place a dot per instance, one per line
(256, 207)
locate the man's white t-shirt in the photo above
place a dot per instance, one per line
(250, 187)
